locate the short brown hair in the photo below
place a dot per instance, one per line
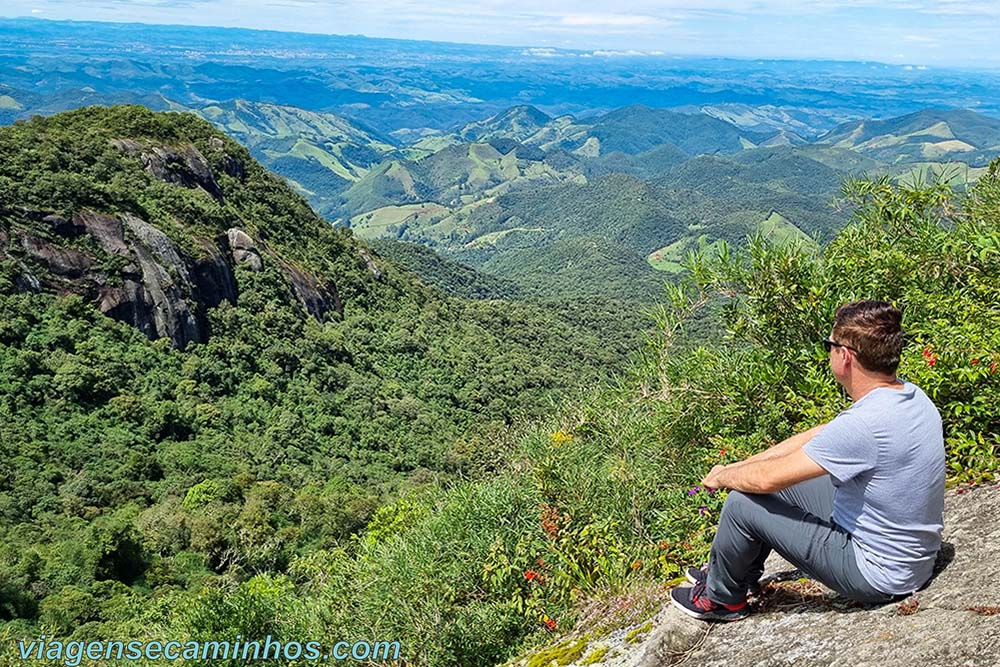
(874, 329)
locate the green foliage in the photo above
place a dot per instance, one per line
(607, 497)
(126, 462)
(149, 492)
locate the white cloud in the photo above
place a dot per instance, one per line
(630, 52)
(608, 19)
(540, 52)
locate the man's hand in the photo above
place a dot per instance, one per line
(711, 480)
(764, 475)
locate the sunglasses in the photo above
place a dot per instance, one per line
(830, 344)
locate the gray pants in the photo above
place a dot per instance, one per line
(795, 522)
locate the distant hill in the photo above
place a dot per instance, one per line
(322, 154)
(519, 123)
(727, 197)
(928, 135)
(457, 175)
(13, 102)
(569, 238)
(638, 128)
(768, 118)
(621, 194)
(630, 130)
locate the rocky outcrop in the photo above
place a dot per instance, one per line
(158, 288)
(61, 261)
(213, 276)
(796, 622)
(166, 285)
(230, 165)
(370, 263)
(317, 298)
(105, 229)
(244, 249)
(63, 227)
(183, 165)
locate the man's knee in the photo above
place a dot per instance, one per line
(737, 502)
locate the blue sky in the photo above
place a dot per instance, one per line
(918, 32)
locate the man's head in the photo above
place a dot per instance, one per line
(868, 338)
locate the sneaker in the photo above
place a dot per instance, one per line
(697, 575)
(694, 602)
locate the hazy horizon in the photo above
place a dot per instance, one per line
(897, 32)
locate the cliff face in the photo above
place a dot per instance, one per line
(169, 252)
(797, 622)
(155, 286)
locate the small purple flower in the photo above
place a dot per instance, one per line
(693, 491)
(703, 511)
(711, 492)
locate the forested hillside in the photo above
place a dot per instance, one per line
(610, 205)
(201, 380)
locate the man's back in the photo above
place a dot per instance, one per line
(886, 457)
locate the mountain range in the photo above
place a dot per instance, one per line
(488, 156)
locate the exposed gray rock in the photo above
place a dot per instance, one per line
(105, 229)
(797, 622)
(26, 281)
(130, 147)
(318, 299)
(230, 165)
(131, 304)
(166, 281)
(372, 267)
(672, 635)
(161, 290)
(63, 227)
(244, 249)
(61, 261)
(184, 166)
(213, 277)
(160, 244)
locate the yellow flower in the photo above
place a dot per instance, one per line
(560, 437)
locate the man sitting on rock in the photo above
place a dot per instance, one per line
(856, 503)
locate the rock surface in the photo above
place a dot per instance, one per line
(954, 621)
(160, 262)
(244, 249)
(135, 273)
(184, 165)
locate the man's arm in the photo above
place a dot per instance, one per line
(776, 468)
(784, 447)
(765, 475)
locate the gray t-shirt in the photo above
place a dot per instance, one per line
(885, 455)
